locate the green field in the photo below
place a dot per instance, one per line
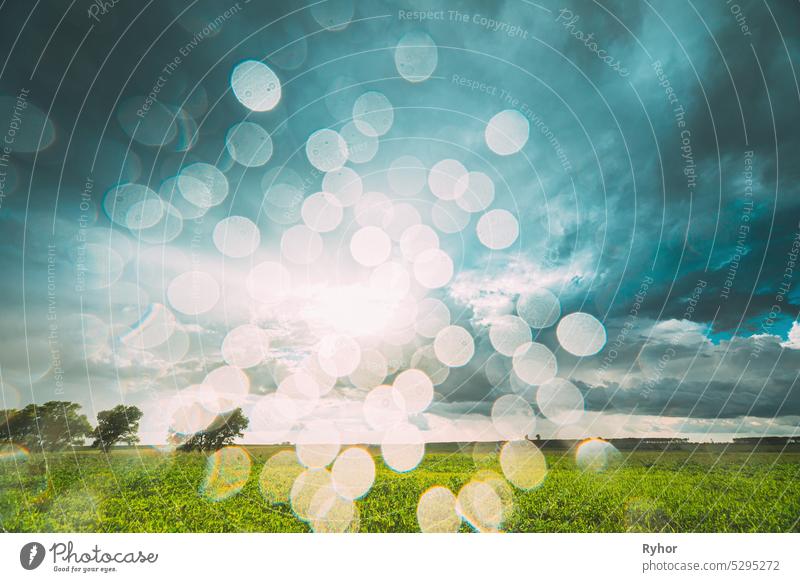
(143, 490)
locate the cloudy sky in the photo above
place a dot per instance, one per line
(644, 173)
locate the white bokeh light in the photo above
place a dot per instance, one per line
(373, 114)
(301, 245)
(322, 212)
(353, 473)
(507, 333)
(256, 86)
(407, 175)
(326, 150)
(498, 229)
(433, 268)
(416, 239)
(416, 56)
(474, 192)
(414, 390)
(534, 363)
(345, 184)
(339, 355)
(370, 246)
(236, 237)
(560, 401)
(193, 292)
(539, 308)
(454, 346)
(444, 177)
(268, 282)
(245, 346)
(512, 417)
(581, 334)
(507, 132)
(249, 144)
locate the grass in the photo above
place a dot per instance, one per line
(143, 490)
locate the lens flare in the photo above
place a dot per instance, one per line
(436, 511)
(155, 327)
(353, 473)
(523, 464)
(305, 488)
(227, 472)
(501, 487)
(595, 455)
(13, 453)
(318, 444)
(333, 514)
(480, 506)
(402, 448)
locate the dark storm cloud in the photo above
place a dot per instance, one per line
(605, 198)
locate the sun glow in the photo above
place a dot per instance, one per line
(356, 310)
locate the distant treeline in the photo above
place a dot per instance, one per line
(770, 440)
(58, 425)
(676, 444)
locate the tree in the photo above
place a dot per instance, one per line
(121, 423)
(16, 424)
(50, 426)
(221, 432)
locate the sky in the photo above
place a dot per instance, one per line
(349, 217)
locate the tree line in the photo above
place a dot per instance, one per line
(58, 425)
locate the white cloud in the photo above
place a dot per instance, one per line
(491, 292)
(678, 331)
(793, 338)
